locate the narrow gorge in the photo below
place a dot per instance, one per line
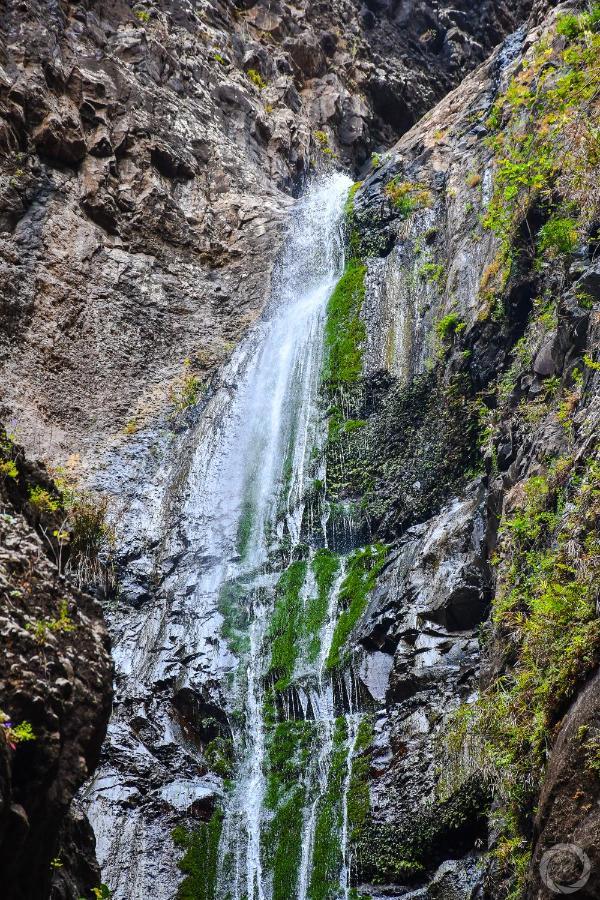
(299, 470)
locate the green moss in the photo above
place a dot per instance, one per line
(285, 627)
(219, 756)
(245, 526)
(327, 854)
(256, 79)
(349, 205)
(558, 235)
(200, 859)
(344, 329)
(233, 608)
(433, 273)
(359, 799)
(289, 748)
(401, 851)
(407, 197)
(544, 157)
(325, 566)
(363, 568)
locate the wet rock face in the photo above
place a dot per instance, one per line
(422, 619)
(430, 265)
(55, 683)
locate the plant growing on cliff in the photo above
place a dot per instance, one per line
(450, 325)
(187, 390)
(8, 466)
(256, 79)
(63, 623)
(43, 500)
(363, 568)
(344, 329)
(407, 197)
(200, 858)
(544, 614)
(15, 734)
(558, 235)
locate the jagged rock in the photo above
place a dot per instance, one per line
(58, 680)
(60, 136)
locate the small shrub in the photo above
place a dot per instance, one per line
(142, 15)
(407, 197)
(188, 391)
(15, 734)
(8, 468)
(43, 500)
(62, 624)
(433, 273)
(569, 26)
(558, 236)
(450, 325)
(256, 79)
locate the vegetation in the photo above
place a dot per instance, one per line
(363, 568)
(289, 750)
(433, 273)
(407, 197)
(188, 389)
(200, 859)
(8, 466)
(285, 624)
(256, 79)
(63, 623)
(344, 329)
(548, 564)
(450, 325)
(359, 800)
(546, 146)
(15, 734)
(327, 856)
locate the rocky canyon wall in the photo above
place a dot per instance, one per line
(150, 154)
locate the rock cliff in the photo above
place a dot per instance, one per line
(55, 690)
(150, 156)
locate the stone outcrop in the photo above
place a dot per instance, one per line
(55, 698)
(148, 156)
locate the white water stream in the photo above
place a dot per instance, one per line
(252, 469)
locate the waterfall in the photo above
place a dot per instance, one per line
(244, 517)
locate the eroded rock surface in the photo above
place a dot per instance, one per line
(55, 697)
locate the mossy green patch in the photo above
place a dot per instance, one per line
(289, 748)
(344, 329)
(327, 854)
(363, 568)
(285, 626)
(200, 859)
(544, 614)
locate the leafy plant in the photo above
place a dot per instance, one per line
(448, 326)
(43, 500)
(558, 235)
(256, 79)
(15, 734)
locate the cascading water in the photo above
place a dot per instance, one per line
(274, 599)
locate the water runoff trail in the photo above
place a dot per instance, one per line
(284, 827)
